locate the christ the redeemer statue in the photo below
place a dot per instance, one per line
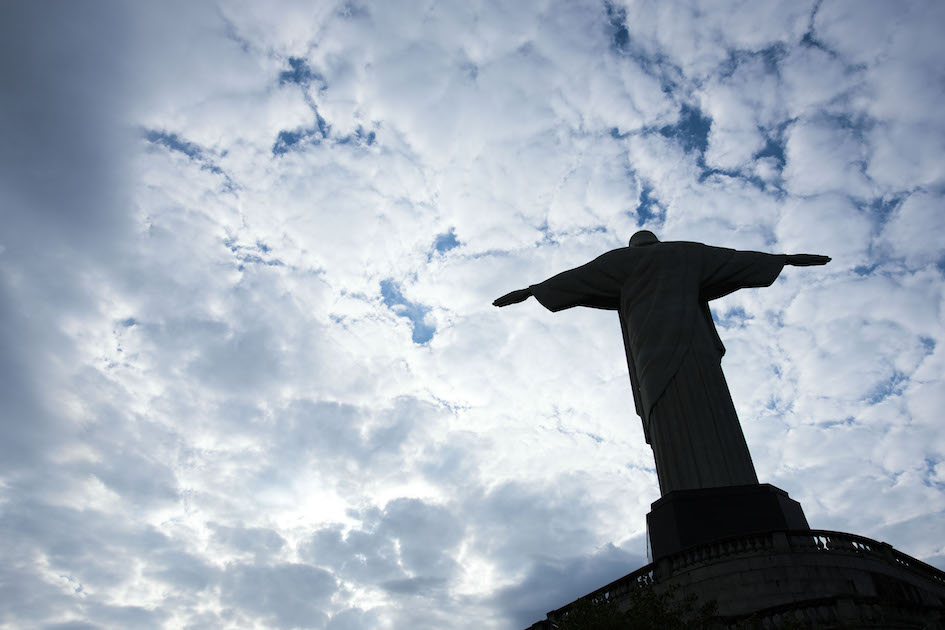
(662, 292)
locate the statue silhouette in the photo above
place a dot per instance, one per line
(661, 291)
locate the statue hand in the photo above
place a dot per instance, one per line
(806, 260)
(513, 298)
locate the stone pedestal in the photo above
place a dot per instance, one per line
(690, 518)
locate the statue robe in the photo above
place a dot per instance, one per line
(674, 352)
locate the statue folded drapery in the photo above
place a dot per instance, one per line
(661, 291)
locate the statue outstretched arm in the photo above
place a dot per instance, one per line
(596, 284)
(514, 297)
(806, 260)
(727, 270)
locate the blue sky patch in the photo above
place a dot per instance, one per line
(289, 140)
(250, 254)
(771, 58)
(733, 173)
(846, 422)
(691, 130)
(394, 300)
(547, 236)
(774, 148)
(881, 210)
(256, 259)
(865, 270)
(649, 207)
(617, 21)
(175, 143)
(299, 73)
(892, 386)
(732, 318)
(359, 137)
(446, 241)
(192, 150)
(470, 70)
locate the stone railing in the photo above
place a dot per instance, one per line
(836, 542)
(796, 541)
(813, 540)
(842, 543)
(716, 550)
(615, 589)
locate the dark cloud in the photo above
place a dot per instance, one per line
(184, 571)
(89, 545)
(257, 540)
(29, 428)
(128, 616)
(62, 160)
(287, 595)
(415, 586)
(72, 625)
(346, 437)
(65, 194)
(354, 619)
(426, 534)
(27, 597)
(323, 427)
(356, 555)
(407, 548)
(554, 581)
(90, 552)
(517, 524)
(238, 360)
(137, 477)
(452, 464)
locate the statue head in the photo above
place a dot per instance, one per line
(643, 237)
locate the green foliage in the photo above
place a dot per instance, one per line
(648, 610)
(645, 610)
(754, 623)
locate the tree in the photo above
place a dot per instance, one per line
(643, 609)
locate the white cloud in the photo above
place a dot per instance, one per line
(913, 232)
(741, 106)
(816, 223)
(211, 417)
(825, 156)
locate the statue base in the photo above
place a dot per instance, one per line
(690, 518)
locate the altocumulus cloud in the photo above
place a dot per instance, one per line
(249, 369)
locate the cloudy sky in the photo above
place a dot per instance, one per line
(250, 375)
